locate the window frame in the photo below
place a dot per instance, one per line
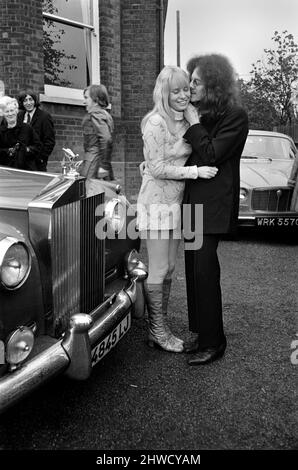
(69, 95)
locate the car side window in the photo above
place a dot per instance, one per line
(293, 152)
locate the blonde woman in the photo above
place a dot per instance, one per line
(160, 196)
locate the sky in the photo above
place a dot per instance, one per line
(239, 29)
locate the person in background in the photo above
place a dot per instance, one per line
(41, 121)
(3, 101)
(160, 196)
(98, 128)
(217, 134)
(19, 143)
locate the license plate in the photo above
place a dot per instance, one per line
(277, 221)
(111, 340)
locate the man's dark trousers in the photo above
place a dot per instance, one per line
(204, 293)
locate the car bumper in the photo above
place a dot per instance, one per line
(71, 354)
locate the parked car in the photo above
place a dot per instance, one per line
(67, 289)
(265, 167)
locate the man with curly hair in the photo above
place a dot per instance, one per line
(42, 123)
(217, 134)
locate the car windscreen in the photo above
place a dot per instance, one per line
(259, 146)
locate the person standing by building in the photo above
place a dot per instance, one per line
(217, 134)
(160, 196)
(98, 128)
(41, 121)
(19, 143)
(3, 101)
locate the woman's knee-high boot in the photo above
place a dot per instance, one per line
(157, 333)
(167, 283)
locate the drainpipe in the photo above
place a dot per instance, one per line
(161, 35)
(178, 37)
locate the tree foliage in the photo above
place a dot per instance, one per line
(261, 113)
(268, 94)
(55, 58)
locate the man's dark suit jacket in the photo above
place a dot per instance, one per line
(43, 125)
(217, 144)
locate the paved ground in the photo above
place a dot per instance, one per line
(143, 399)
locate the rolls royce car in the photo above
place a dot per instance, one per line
(71, 277)
(265, 167)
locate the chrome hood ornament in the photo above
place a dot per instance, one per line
(70, 163)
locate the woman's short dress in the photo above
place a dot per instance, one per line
(161, 193)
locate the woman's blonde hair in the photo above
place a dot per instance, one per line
(162, 91)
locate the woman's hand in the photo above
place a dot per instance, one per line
(191, 115)
(207, 172)
(12, 151)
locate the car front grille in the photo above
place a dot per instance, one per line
(272, 200)
(77, 259)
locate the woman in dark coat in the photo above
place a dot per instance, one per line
(217, 134)
(19, 144)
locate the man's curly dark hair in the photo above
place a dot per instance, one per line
(22, 95)
(220, 83)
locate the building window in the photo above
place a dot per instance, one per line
(71, 46)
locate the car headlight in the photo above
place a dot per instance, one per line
(134, 266)
(19, 345)
(15, 263)
(132, 260)
(115, 214)
(243, 194)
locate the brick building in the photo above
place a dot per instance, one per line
(57, 47)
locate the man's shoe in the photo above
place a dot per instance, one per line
(191, 347)
(207, 356)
